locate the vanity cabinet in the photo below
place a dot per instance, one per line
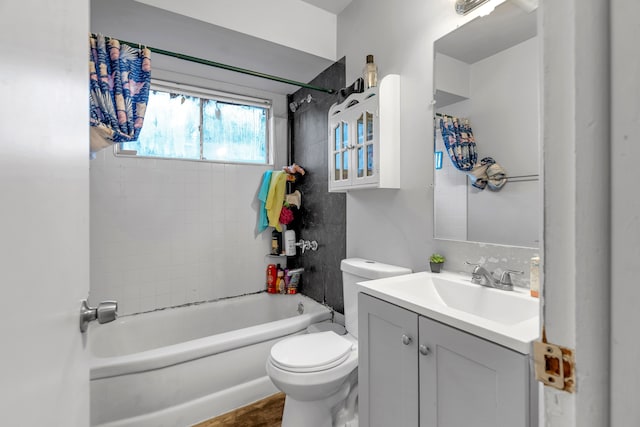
(414, 371)
(364, 139)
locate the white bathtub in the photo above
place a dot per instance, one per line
(179, 366)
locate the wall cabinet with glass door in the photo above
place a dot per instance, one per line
(364, 139)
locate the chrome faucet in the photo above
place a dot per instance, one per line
(480, 276)
(307, 245)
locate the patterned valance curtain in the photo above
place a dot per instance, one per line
(461, 146)
(119, 79)
(459, 141)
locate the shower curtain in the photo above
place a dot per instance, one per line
(119, 79)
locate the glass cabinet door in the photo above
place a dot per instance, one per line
(365, 150)
(360, 154)
(341, 151)
(369, 143)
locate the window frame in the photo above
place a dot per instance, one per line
(214, 95)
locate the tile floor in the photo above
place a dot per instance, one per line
(263, 413)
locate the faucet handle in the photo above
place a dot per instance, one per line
(474, 265)
(505, 279)
(475, 277)
(475, 271)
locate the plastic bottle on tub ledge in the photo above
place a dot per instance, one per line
(272, 276)
(292, 287)
(280, 286)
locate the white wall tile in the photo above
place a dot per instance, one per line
(166, 233)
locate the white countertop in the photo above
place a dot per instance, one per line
(508, 318)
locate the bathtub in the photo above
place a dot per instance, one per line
(179, 366)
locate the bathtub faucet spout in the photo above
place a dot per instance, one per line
(295, 271)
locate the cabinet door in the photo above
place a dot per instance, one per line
(467, 381)
(365, 147)
(340, 150)
(388, 364)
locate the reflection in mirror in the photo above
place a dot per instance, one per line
(486, 72)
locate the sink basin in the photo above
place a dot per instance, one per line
(506, 307)
(508, 318)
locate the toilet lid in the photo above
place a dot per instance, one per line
(311, 352)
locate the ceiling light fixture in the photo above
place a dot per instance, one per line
(465, 6)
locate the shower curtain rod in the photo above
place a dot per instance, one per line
(227, 67)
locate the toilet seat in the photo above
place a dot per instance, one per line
(311, 352)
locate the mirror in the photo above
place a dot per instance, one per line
(486, 72)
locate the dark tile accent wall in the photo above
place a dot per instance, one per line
(323, 214)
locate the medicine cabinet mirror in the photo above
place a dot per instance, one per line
(487, 72)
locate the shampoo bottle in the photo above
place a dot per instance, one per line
(272, 272)
(290, 243)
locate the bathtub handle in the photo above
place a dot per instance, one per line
(105, 312)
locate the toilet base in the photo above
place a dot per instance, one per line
(338, 410)
(308, 414)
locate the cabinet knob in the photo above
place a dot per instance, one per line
(424, 350)
(406, 339)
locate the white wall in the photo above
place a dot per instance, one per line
(401, 36)
(625, 292)
(167, 232)
(170, 232)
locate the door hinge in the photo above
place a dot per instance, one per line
(554, 365)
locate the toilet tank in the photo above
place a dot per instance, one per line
(356, 270)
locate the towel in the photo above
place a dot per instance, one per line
(496, 177)
(487, 173)
(275, 197)
(478, 176)
(263, 220)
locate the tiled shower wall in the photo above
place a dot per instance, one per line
(323, 213)
(170, 232)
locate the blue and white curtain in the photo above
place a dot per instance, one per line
(459, 141)
(461, 147)
(119, 80)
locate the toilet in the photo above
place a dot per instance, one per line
(318, 371)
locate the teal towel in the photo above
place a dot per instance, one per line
(263, 221)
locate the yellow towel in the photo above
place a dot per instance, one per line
(273, 205)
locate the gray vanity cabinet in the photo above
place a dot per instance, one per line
(468, 381)
(387, 364)
(415, 371)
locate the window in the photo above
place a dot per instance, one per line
(202, 125)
